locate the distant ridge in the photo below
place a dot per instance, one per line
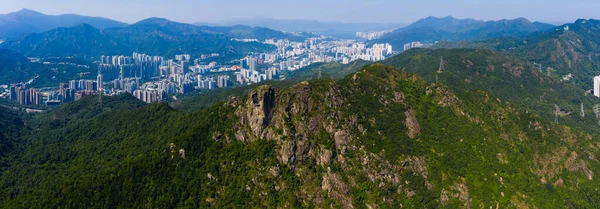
(432, 29)
(328, 28)
(156, 36)
(26, 21)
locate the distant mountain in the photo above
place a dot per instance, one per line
(432, 29)
(11, 59)
(261, 33)
(15, 67)
(570, 49)
(82, 40)
(335, 29)
(507, 77)
(155, 36)
(23, 22)
(448, 24)
(505, 28)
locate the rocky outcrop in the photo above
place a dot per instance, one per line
(337, 189)
(325, 157)
(412, 124)
(553, 164)
(341, 138)
(257, 111)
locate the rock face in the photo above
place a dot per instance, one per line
(341, 138)
(412, 124)
(258, 109)
(337, 189)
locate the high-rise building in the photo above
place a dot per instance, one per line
(182, 57)
(252, 62)
(223, 81)
(242, 63)
(597, 86)
(13, 92)
(185, 67)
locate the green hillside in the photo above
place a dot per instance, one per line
(16, 68)
(508, 78)
(571, 49)
(377, 138)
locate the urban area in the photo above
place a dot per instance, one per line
(154, 78)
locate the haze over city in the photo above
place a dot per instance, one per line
(381, 11)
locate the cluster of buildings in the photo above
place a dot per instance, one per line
(414, 44)
(295, 55)
(254, 76)
(371, 34)
(66, 92)
(23, 95)
(154, 78)
(357, 51)
(210, 83)
(249, 69)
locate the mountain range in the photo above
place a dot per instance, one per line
(569, 49)
(155, 36)
(433, 29)
(23, 22)
(86, 37)
(335, 29)
(260, 33)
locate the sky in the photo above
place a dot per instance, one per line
(380, 11)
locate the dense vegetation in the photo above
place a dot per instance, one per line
(508, 78)
(376, 138)
(571, 49)
(12, 127)
(16, 68)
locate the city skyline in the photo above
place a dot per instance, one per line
(350, 11)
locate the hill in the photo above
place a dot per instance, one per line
(16, 68)
(82, 40)
(11, 60)
(432, 29)
(448, 24)
(23, 22)
(12, 128)
(510, 79)
(570, 49)
(260, 33)
(154, 36)
(377, 138)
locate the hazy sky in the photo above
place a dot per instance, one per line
(385, 11)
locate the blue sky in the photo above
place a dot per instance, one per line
(385, 11)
